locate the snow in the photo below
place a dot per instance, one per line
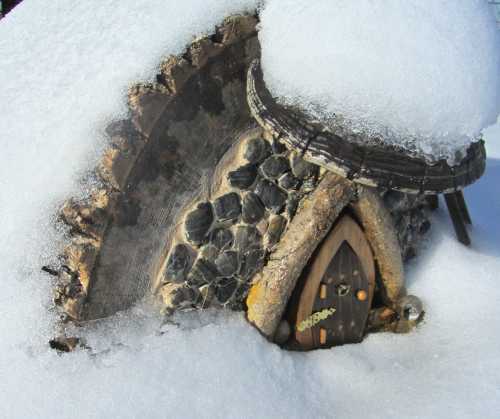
(64, 71)
(424, 74)
(214, 364)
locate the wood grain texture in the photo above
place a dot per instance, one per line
(375, 165)
(379, 229)
(274, 285)
(190, 123)
(345, 258)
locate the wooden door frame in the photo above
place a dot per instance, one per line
(345, 230)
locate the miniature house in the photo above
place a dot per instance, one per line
(214, 195)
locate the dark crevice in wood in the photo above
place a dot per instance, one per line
(309, 140)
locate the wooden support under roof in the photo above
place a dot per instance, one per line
(459, 215)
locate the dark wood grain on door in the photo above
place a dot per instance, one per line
(336, 297)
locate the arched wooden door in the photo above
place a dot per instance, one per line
(335, 299)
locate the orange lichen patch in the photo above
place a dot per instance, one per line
(254, 294)
(312, 222)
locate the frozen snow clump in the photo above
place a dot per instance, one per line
(424, 74)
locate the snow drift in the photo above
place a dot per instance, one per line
(422, 74)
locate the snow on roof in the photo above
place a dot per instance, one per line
(421, 73)
(64, 70)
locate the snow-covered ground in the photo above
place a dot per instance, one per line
(64, 70)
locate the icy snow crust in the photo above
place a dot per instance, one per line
(64, 69)
(424, 74)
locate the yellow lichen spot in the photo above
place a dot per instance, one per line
(315, 318)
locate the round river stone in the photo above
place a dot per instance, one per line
(227, 207)
(301, 168)
(202, 272)
(257, 150)
(178, 264)
(271, 195)
(221, 238)
(243, 177)
(246, 238)
(198, 223)
(275, 166)
(227, 263)
(289, 181)
(253, 209)
(225, 289)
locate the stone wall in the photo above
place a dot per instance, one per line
(224, 241)
(178, 129)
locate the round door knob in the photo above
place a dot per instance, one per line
(361, 295)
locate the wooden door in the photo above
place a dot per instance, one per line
(337, 290)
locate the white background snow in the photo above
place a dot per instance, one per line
(424, 70)
(64, 70)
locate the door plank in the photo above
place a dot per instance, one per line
(345, 231)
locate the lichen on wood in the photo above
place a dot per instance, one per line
(274, 284)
